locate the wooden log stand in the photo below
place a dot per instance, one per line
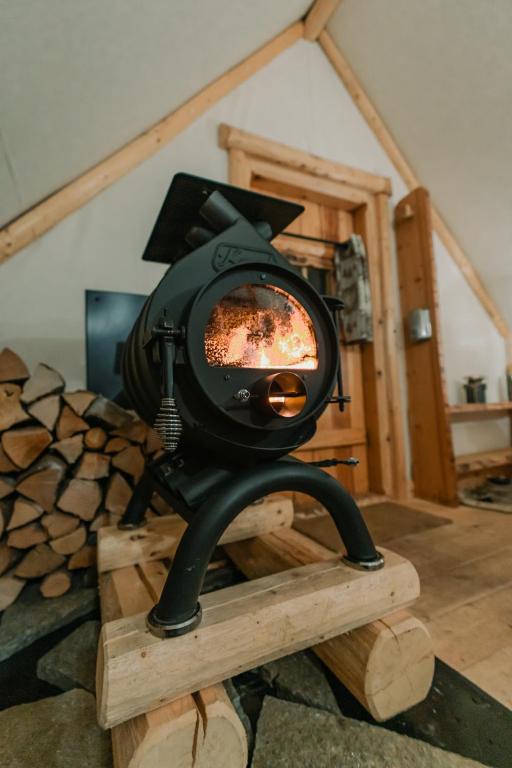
(165, 698)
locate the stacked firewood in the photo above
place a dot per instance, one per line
(68, 465)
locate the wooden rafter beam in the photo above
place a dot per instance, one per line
(394, 153)
(318, 16)
(38, 220)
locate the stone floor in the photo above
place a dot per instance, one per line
(295, 712)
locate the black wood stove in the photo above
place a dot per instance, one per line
(233, 359)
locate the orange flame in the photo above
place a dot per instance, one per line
(260, 326)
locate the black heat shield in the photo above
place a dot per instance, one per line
(180, 212)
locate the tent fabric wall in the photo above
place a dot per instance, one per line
(298, 100)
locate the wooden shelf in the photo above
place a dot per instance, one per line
(474, 462)
(475, 411)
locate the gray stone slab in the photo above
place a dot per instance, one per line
(33, 616)
(301, 679)
(292, 735)
(72, 662)
(59, 732)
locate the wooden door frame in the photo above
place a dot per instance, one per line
(367, 197)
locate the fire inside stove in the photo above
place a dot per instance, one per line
(260, 326)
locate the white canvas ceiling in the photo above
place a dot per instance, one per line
(80, 79)
(440, 74)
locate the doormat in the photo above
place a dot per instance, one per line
(386, 521)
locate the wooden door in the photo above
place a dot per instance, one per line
(433, 466)
(339, 435)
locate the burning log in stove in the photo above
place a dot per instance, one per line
(233, 359)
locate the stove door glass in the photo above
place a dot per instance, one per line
(260, 326)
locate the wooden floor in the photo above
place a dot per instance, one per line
(466, 583)
(464, 559)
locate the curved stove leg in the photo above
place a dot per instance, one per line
(178, 611)
(134, 513)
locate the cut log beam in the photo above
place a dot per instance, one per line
(387, 664)
(201, 729)
(160, 537)
(243, 626)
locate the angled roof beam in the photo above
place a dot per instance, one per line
(45, 215)
(318, 16)
(394, 153)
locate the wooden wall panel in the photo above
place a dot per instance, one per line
(433, 467)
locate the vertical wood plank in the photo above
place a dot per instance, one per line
(433, 466)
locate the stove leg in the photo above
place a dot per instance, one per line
(134, 514)
(178, 610)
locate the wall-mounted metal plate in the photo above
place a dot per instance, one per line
(109, 317)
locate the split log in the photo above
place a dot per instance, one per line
(71, 542)
(93, 466)
(3, 517)
(107, 414)
(71, 448)
(69, 424)
(12, 367)
(7, 486)
(42, 481)
(387, 665)
(24, 512)
(159, 538)
(84, 558)
(95, 439)
(79, 401)
(81, 498)
(6, 464)
(100, 521)
(11, 411)
(153, 442)
(44, 381)
(10, 588)
(55, 584)
(243, 626)
(38, 562)
(8, 557)
(46, 411)
(135, 431)
(118, 495)
(27, 536)
(23, 446)
(116, 444)
(130, 461)
(202, 728)
(58, 524)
